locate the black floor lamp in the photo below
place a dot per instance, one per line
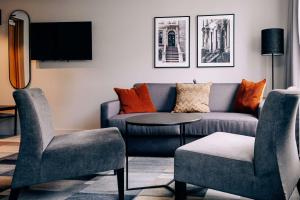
(272, 44)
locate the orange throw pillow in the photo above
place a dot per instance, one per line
(135, 100)
(249, 96)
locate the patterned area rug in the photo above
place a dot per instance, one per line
(103, 186)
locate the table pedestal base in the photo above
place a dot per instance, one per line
(167, 186)
(165, 119)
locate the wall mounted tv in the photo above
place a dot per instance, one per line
(61, 41)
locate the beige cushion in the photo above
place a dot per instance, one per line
(192, 97)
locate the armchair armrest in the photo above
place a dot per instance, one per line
(108, 110)
(259, 109)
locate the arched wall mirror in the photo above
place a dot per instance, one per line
(19, 49)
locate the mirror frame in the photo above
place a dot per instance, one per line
(29, 48)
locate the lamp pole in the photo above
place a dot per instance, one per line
(272, 44)
(272, 71)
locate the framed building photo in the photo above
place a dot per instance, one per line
(215, 40)
(172, 42)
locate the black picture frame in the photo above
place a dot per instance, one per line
(210, 51)
(182, 60)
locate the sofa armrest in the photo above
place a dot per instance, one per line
(108, 110)
(260, 107)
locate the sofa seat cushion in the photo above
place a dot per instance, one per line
(119, 122)
(239, 123)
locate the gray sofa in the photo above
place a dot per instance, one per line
(163, 141)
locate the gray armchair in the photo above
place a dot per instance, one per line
(266, 167)
(44, 157)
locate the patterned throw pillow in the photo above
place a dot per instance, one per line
(192, 97)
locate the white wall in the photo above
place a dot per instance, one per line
(123, 50)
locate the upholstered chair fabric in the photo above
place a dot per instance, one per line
(297, 131)
(45, 157)
(266, 167)
(37, 132)
(275, 155)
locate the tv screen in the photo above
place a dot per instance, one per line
(61, 41)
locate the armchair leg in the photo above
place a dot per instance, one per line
(120, 177)
(180, 190)
(14, 194)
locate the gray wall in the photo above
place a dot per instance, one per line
(123, 50)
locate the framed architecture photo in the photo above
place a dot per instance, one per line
(215, 40)
(172, 42)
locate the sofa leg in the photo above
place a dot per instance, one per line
(180, 190)
(120, 177)
(14, 194)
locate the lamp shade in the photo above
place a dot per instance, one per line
(272, 41)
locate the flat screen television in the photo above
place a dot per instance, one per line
(61, 41)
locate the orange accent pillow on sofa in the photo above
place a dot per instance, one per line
(135, 100)
(249, 96)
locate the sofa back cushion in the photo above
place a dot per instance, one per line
(221, 98)
(163, 95)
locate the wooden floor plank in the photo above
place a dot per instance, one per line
(9, 146)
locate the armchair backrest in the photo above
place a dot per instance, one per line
(35, 118)
(36, 133)
(275, 154)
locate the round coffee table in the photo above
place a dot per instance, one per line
(159, 119)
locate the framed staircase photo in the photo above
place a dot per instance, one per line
(172, 42)
(215, 40)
